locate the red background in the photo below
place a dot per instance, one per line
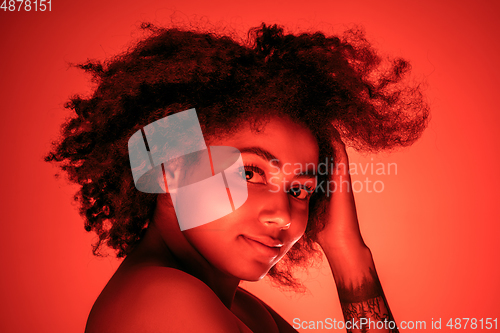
(433, 230)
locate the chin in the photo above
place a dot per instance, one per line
(256, 278)
(253, 274)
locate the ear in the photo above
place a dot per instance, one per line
(168, 178)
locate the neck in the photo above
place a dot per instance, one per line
(165, 245)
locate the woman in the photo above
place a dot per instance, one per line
(282, 100)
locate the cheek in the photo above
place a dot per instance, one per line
(299, 223)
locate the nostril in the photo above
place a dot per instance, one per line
(286, 226)
(278, 224)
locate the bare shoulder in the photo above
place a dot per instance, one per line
(257, 315)
(158, 299)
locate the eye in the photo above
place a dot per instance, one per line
(254, 174)
(300, 193)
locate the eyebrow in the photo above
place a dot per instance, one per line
(266, 155)
(311, 173)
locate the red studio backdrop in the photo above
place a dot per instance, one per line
(432, 224)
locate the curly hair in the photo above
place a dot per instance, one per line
(337, 86)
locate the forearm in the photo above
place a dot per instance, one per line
(360, 292)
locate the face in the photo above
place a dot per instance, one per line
(279, 165)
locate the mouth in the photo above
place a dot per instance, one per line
(265, 246)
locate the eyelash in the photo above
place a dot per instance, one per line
(308, 189)
(255, 169)
(260, 172)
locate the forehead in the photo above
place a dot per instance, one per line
(287, 140)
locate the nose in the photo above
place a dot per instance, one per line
(276, 211)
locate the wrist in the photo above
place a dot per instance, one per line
(349, 263)
(341, 246)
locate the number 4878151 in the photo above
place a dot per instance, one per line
(26, 5)
(472, 323)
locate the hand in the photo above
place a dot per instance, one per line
(341, 232)
(359, 289)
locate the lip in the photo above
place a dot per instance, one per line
(265, 246)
